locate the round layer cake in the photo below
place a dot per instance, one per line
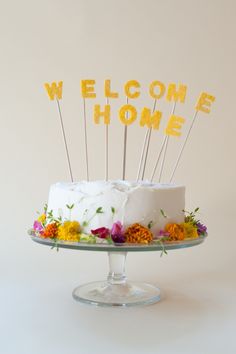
(101, 203)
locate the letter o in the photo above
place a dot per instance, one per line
(123, 114)
(161, 89)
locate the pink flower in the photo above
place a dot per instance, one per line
(117, 232)
(162, 233)
(117, 228)
(101, 232)
(38, 227)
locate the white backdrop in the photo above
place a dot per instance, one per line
(192, 42)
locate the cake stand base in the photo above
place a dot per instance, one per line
(117, 291)
(101, 293)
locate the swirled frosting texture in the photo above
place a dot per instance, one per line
(126, 201)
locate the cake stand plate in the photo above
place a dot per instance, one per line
(117, 290)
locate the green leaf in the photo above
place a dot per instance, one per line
(70, 206)
(99, 210)
(163, 251)
(109, 240)
(162, 213)
(113, 210)
(85, 223)
(150, 224)
(50, 213)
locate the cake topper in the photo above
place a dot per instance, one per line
(145, 147)
(127, 119)
(106, 146)
(147, 137)
(148, 143)
(166, 146)
(125, 139)
(172, 95)
(128, 114)
(203, 104)
(55, 90)
(87, 91)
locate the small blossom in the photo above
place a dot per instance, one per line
(190, 230)
(50, 230)
(117, 228)
(101, 232)
(69, 231)
(137, 233)
(118, 238)
(42, 218)
(175, 231)
(201, 229)
(38, 227)
(117, 232)
(162, 233)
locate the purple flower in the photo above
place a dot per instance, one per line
(117, 232)
(201, 229)
(101, 232)
(38, 227)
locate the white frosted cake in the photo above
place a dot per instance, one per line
(126, 201)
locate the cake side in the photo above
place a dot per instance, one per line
(101, 203)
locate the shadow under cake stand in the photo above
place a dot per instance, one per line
(117, 290)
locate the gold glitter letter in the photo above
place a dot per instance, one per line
(128, 85)
(174, 123)
(98, 113)
(176, 95)
(54, 90)
(87, 88)
(123, 112)
(161, 88)
(151, 120)
(107, 90)
(205, 100)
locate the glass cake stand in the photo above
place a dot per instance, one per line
(117, 290)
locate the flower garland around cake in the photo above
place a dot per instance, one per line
(49, 227)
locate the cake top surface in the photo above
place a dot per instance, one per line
(119, 185)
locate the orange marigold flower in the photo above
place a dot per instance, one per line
(137, 233)
(175, 231)
(50, 230)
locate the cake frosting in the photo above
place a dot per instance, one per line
(127, 201)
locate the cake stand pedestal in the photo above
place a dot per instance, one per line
(117, 290)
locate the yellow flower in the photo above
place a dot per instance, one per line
(69, 231)
(42, 218)
(190, 230)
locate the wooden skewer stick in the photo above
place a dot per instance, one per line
(65, 142)
(86, 141)
(183, 146)
(142, 154)
(106, 147)
(158, 157)
(166, 147)
(125, 146)
(148, 143)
